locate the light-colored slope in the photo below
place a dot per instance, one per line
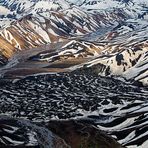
(125, 53)
(50, 26)
(119, 50)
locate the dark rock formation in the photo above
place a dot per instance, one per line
(79, 134)
(20, 133)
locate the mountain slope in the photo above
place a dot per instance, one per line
(120, 49)
(125, 53)
(85, 60)
(40, 28)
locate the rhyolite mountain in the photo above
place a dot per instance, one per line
(120, 27)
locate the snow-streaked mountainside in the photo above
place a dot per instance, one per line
(17, 8)
(85, 60)
(121, 26)
(115, 107)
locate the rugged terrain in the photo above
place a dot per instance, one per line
(113, 38)
(84, 60)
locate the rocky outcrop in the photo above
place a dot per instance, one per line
(80, 134)
(57, 134)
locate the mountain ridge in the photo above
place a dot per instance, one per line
(36, 25)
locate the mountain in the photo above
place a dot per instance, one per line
(39, 27)
(125, 50)
(23, 133)
(112, 23)
(74, 66)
